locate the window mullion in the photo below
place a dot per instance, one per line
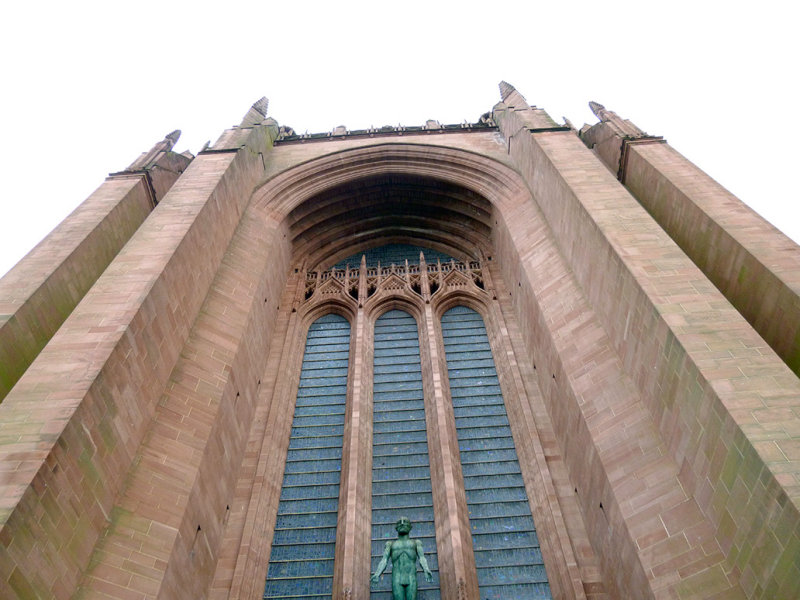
(352, 564)
(458, 578)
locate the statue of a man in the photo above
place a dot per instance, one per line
(403, 552)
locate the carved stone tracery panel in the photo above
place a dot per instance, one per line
(412, 280)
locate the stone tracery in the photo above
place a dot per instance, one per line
(423, 279)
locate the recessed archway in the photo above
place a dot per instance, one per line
(446, 199)
(354, 216)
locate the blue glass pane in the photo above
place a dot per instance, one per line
(514, 574)
(289, 552)
(307, 535)
(317, 420)
(306, 466)
(530, 591)
(300, 568)
(401, 437)
(485, 510)
(399, 503)
(311, 442)
(301, 519)
(490, 467)
(514, 556)
(321, 505)
(477, 411)
(398, 486)
(397, 405)
(392, 253)
(413, 394)
(395, 361)
(400, 449)
(400, 460)
(315, 479)
(394, 474)
(488, 444)
(301, 562)
(478, 432)
(507, 552)
(500, 544)
(398, 386)
(317, 431)
(401, 479)
(298, 587)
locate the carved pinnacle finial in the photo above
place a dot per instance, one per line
(256, 113)
(621, 126)
(172, 138)
(261, 105)
(506, 89)
(149, 158)
(598, 109)
(512, 97)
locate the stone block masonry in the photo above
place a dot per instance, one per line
(45, 286)
(73, 423)
(144, 433)
(755, 266)
(711, 384)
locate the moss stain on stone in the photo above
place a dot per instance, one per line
(87, 467)
(23, 587)
(793, 357)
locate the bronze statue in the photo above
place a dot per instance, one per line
(403, 552)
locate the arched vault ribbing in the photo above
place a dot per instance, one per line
(348, 201)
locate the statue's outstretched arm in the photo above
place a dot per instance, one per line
(424, 563)
(387, 552)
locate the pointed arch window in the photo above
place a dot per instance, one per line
(507, 552)
(303, 545)
(507, 555)
(401, 475)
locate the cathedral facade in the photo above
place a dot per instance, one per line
(569, 357)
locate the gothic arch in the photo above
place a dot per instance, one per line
(189, 339)
(443, 198)
(464, 187)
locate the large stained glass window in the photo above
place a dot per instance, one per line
(506, 548)
(301, 563)
(507, 553)
(401, 477)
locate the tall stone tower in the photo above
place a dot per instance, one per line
(569, 357)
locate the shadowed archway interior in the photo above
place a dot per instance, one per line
(390, 219)
(385, 209)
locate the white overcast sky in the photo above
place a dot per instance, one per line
(88, 86)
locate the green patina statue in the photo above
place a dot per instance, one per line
(403, 552)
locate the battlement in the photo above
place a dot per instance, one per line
(288, 135)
